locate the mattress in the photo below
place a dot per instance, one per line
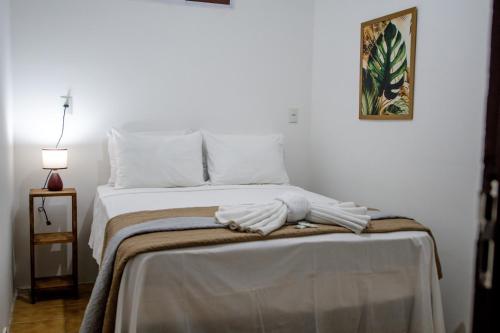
(335, 282)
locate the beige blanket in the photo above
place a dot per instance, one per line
(202, 237)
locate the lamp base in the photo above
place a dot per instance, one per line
(55, 182)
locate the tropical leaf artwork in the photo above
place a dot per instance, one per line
(387, 66)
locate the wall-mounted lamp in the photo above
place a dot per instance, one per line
(55, 159)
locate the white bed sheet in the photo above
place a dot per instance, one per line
(326, 283)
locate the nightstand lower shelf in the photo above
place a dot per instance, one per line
(64, 285)
(54, 283)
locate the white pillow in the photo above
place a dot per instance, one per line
(245, 159)
(111, 146)
(158, 161)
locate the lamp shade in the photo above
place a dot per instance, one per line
(55, 158)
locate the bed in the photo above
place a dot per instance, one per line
(324, 283)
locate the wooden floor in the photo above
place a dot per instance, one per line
(53, 315)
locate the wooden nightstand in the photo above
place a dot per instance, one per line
(64, 283)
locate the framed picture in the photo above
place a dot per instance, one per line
(387, 66)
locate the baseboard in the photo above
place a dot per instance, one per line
(12, 305)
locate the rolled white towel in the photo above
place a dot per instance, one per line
(265, 218)
(272, 223)
(345, 214)
(291, 207)
(298, 206)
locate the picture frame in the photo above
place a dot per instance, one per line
(387, 66)
(220, 2)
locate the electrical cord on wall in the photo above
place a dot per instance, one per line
(41, 209)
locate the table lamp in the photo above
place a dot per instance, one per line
(55, 159)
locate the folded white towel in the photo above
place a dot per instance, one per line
(264, 218)
(298, 206)
(291, 207)
(345, 214)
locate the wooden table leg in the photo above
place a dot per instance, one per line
(32, 249)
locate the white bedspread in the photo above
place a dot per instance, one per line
(327, 283)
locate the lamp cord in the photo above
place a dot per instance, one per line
(66, 105)
(41, 209)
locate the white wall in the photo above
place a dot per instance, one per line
(428, 168)
(6, 173)
(149, 64)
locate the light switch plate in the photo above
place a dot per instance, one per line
(293, 115)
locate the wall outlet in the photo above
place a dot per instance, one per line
(293, 115)
(68, 98)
